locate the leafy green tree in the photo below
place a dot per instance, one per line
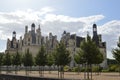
(28, 61)
(62, 58)
(78, 59)
(1, 61)
(50, 60)
(7, 61)
(116, 54)
(90, 53)
(99, 60)
(40, 60)
(16, 60)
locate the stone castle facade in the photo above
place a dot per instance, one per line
(72, 42)
(33, 40)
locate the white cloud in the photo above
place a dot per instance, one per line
(50, 22)
(110, 28)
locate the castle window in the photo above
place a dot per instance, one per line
(28, 39)
(28, 44)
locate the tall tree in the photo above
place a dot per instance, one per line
(7, 61)
(50, 60)
(78, 59)
(1, 61)
(116, 54)
(28, 61)
(16, 60)
(62, 58)
(40, 60)
(99, 60)
(90, 53)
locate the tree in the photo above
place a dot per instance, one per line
(16, 60)
(116, 54)
(7, 61)
(50, 60)
(1, 61)
(40, 59)
(90, 53)
(62, 58)
(78, 59)
(28, 61)
(99, 60)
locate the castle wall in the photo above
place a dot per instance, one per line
(32, 48)
(104, 63)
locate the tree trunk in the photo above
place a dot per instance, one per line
(7, 70)
(119, 69)
(78, 69)
(58, 71)
(85, 71)
(15, 69)
(0, 69)
(43, 71)
(91, 70)
(49, 69)
(26, 71)
(62, 72)
(39, 71)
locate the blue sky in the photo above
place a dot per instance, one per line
(75, 16)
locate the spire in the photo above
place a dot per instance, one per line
(33, 27)
(39, 27)
(14, 35)
(95, 35)
(26, 29)
(94, 29)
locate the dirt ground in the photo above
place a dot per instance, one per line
(73, 75)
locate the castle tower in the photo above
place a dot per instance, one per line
(8, 44)
(38, 36)
(14, 35)
(94, 29)
(14, 41)
(26, 29)
(33, 27)
(50, 36)
(20, 43)
(95, 35)
(33, 33)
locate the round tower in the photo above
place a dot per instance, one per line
(94, 29)
(95, 35)
(33, 27)
(14, 35)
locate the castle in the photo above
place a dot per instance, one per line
(33, 40)
(73, 41)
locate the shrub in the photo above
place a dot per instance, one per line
(66, 68)
(112, 68)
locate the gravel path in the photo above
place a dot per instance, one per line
(72, 75)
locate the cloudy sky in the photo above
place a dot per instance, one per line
(74, 16)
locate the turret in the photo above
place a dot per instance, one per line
(64, 33)
(33, 35)
(26, 29)
(50, 36)
(95, 35)
(39, 28)
(14, 35)
(33, 27)
(94, 29)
